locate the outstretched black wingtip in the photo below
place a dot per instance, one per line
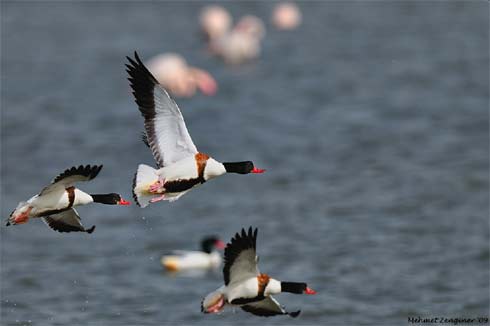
(142, 82)
(242, 240)
(88, 171)
(294, 314)
(89, 231)
(133, 63)
(136, 56)
(251, 233)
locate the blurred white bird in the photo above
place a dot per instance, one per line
(215, 21)
(286, 16)
(242, 43)
(184, 260)
(171, 71)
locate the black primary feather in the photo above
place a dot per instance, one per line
(87, 171)
(63, 227)
(239, 243)
(294, 314)
(268, 313)
(143, 85)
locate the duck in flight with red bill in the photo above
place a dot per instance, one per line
(245, 286)
(180, 166)
(55, 203)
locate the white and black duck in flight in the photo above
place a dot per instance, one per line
(54, 204)
(245, 286)
(180, 166)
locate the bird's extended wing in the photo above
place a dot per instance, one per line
(165, 128)
(268, 307)
(240, 257)
(70, 176)
(66, 221)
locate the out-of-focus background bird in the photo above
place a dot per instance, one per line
(235, 45)
(215, 21)
(172, 71)
(243, 43)
(286, 16)
(209, 257)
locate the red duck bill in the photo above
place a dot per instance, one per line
(220, 244)
(124, 202)
(309, 291)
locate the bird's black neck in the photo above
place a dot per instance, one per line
(238, 167)
(293, 287)
(107, 199)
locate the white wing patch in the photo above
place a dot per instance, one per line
(167, 132)
(165, 128)
(244, 267)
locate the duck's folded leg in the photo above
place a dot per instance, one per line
(157, 187)
(214, 302)
(21, 218)
(157, 199)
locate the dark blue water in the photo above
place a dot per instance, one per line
(371, 118)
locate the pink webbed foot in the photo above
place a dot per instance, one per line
(157, 199)
(157, 187)
(216, 307)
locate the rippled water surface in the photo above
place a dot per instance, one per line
(371, 120)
